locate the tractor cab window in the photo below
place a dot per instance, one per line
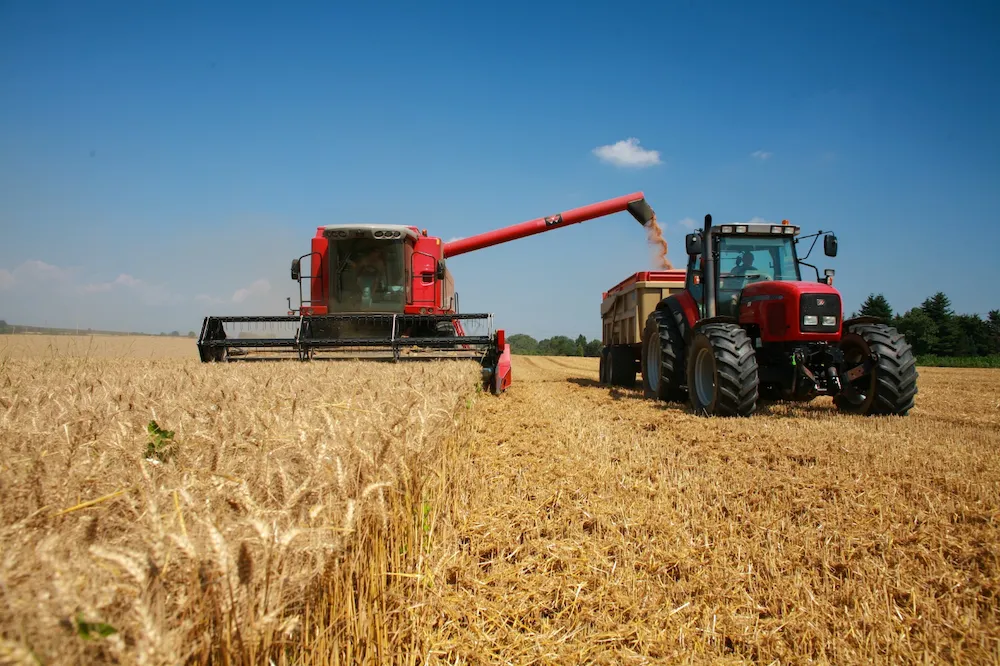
(745, 260)
(368, 275)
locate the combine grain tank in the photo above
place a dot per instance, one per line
(624, 311)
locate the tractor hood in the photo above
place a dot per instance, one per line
(770, 290)
(792, 311)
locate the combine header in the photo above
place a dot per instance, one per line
(384, 291)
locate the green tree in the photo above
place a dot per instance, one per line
(876, 305)
(593, 348)
(993, 324)
(523, 344)
(974, 336)
(947, 332)
(919, 329)
(581, 345)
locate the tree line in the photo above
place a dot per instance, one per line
(934, 328)
(558, 345)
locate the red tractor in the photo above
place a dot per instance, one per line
(384, 291)
(748, 326)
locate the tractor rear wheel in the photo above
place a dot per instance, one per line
(662, 358)
(722, 371)
(890, 387)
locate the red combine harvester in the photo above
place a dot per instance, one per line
(383, 291)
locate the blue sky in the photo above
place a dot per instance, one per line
(164, 161)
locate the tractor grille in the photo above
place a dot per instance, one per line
(819, 306)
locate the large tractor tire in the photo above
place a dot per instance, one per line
(722, 371)
(663, 375)
(621, 366)
(891, 386)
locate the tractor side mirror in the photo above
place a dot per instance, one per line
(692, 243)
(295, 269)
(440, 269)
(830, 245)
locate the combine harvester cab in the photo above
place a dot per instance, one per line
(742, 323)
(384, 292)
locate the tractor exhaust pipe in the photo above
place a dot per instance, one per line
(708, 274)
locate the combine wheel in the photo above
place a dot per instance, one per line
(722, 371)
(890, 384)
(662, 358)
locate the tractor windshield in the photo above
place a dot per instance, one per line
(744, 259)
(367, 275)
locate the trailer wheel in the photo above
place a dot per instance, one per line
(621, 366)
(662, 354)
(602, 372)
(890, 387)
(722, 371)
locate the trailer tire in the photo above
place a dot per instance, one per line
(602, 372)
(662, 358)
(892, 388)
(621, 366)
(722, 371)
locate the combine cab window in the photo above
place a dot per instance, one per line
(367, 275)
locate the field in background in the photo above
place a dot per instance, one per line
(392, 510)
(98, 346)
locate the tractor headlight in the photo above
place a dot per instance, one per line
(789, 230)
(727, 229)
(741, 228)
(810, 320)
(776, 229)
(829, 320)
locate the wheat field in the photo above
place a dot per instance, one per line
(370, 513)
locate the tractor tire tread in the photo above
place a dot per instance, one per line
(672, 375)
(736, 361)
(896, 371)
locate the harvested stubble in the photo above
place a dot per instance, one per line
(592, 526)
(285, 519)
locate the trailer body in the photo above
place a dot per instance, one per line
(624, 311)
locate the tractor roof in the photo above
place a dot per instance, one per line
(755, 229)
(367, 230)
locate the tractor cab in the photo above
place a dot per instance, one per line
(746, 254)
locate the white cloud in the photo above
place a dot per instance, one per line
(628, 153)
(688, 223)
(205, 298)
(6, 279)
(761, 155)
(456, 238)
(758, 220)
(258, 287)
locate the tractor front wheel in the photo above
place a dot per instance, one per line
(722, 371)
(889, 385)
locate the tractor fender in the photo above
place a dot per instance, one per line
(861, 320)
(715, 320)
